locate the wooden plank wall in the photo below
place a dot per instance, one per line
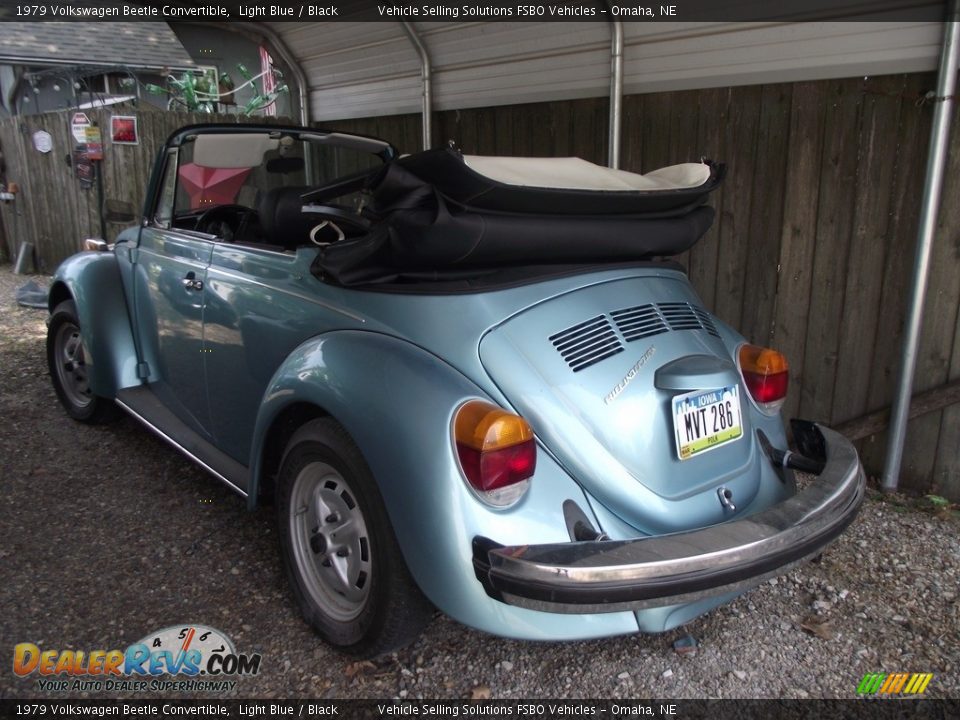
(811, 252)
(53, 210)
(812, 249)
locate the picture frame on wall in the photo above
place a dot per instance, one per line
(123, 130)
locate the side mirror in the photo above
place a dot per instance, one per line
(118, 211)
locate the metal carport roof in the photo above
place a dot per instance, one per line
(363, 69)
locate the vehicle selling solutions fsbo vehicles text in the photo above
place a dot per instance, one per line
(571, 709)
(521, 11)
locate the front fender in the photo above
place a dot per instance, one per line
(93, 280)
(397, 402)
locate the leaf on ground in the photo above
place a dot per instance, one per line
(816, 626)
(938, 501)
(357, 668)
(480, 692)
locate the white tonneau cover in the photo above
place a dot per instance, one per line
(572, 173)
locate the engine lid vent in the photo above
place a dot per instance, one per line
(705, 320)
(646, 320)
(587, 343)
(639, 322)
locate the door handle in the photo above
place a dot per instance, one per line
(191, 283)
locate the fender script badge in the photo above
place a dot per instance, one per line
(631, 374)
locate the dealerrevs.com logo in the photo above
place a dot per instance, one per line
(201, 658)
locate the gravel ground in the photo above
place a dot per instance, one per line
(106, 534)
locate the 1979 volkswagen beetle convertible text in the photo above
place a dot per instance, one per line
(478, 383)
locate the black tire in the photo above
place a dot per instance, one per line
(68, 361)
(353, 588)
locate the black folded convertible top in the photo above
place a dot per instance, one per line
(446, 170)
(438, 216)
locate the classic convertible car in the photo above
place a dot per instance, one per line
(474, 383)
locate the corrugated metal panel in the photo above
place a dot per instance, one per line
(506, 63)
(660, 58)
(371, 69)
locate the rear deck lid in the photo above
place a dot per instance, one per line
(602, 372)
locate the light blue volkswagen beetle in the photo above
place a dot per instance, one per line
(466, 382)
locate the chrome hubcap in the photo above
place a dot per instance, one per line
(71, 365)
(331, 545)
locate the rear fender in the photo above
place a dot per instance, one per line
(92, 280)
(397, 402)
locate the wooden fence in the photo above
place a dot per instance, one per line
(812, 250)
(53, 210)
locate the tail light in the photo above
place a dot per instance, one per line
(765, 373)
(497, 452)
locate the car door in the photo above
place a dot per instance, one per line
(262, 299)
(261, 305)
(170, 278)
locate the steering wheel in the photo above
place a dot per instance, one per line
(224, 221)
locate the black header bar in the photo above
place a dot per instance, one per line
(471, 11)
(536, 709)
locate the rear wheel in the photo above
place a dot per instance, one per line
(69, 364)
(339, 551)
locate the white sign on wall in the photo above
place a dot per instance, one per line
(78, 127)
(42, 141)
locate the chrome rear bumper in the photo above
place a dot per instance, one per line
(615, 575)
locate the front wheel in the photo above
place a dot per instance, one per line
(339, 552)
(69, 364)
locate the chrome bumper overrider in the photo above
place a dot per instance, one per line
(615, 575)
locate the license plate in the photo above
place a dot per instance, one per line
(706, 419)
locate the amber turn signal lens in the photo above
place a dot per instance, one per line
(483, 426)
(761, 360)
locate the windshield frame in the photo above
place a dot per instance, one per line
(375, 146)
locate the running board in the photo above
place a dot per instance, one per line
(145, 406)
